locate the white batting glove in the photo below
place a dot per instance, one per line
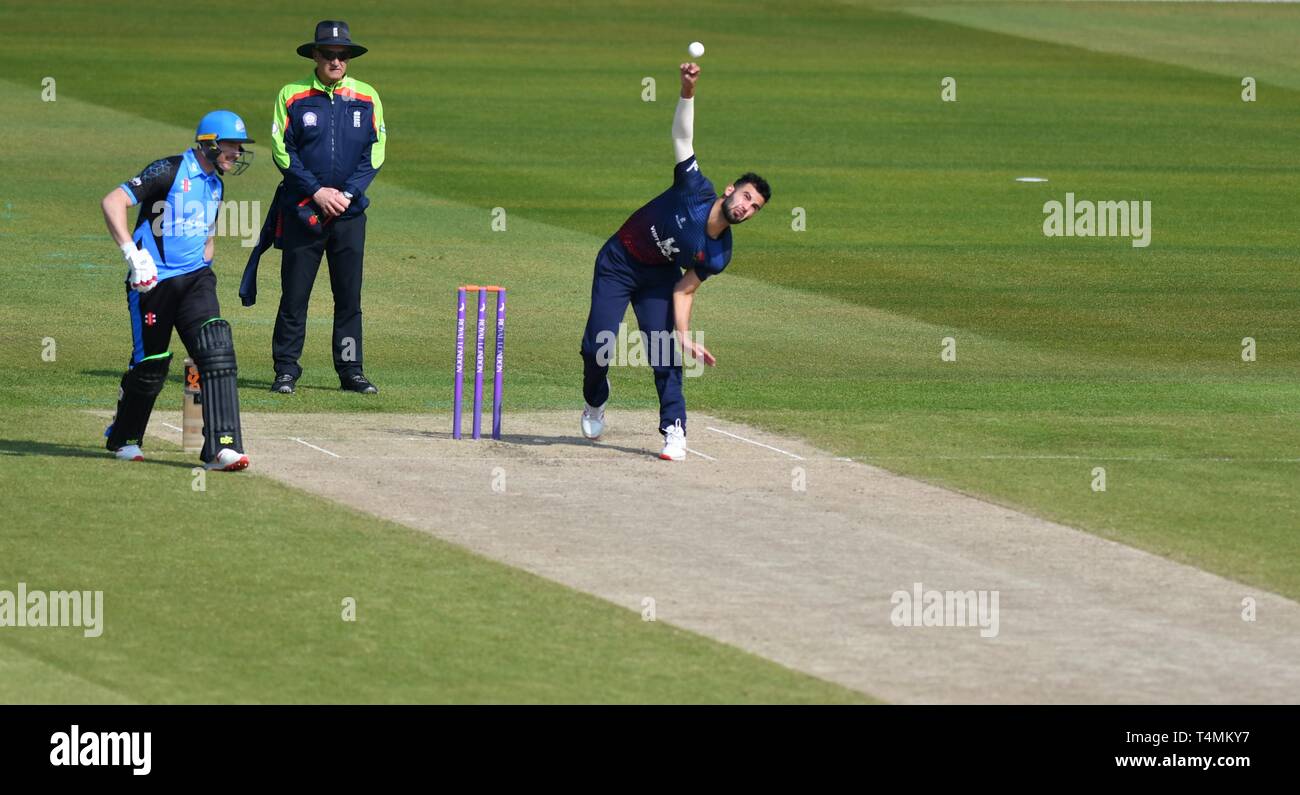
(143, 273)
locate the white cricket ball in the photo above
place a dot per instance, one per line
(696, 49)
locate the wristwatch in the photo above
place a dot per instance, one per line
(347, 195)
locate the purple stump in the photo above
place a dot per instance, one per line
(501, 363)
(480, 336)
(458, 368)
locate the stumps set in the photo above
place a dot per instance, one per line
(458, 395)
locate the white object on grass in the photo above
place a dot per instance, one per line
(696, 49)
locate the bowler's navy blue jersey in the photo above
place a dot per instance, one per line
(673, 227)
(178, 211)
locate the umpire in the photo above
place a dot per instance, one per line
(328, 141)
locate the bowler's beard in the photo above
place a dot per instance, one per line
(727, 214)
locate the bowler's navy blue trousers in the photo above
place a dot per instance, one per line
(619, 279)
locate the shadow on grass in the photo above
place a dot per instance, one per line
(26, 447)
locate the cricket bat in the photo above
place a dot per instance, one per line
(192, 410)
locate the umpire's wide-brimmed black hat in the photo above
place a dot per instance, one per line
(332, 33)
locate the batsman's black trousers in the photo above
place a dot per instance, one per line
(183, 303)
(343, 243)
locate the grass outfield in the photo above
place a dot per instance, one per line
(236, 594)
(1233, 39)
(1072, 353)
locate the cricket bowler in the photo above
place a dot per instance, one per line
(656, 261)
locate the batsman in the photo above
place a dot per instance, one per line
(170, 285)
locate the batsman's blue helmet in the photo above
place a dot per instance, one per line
(222, 125)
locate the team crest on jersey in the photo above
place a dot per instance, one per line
(309, 119)
(356, 118)
(666, 246)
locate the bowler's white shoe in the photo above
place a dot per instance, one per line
(130, 452)
(674, 443)
(228, 460)
(593, 421)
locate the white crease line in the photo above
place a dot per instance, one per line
(314, 447)
(173, 427)
(751, 441)
(701, 455)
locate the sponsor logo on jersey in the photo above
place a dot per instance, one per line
(666, 246)
(150, 318)
(185, 185)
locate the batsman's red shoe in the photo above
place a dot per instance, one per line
(228, 460)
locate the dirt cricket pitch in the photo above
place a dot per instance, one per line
(729, 545)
